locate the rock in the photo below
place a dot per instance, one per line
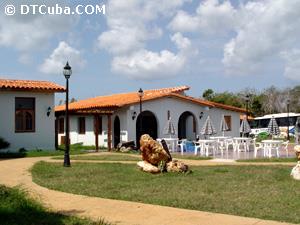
(152, 151)
(297, 151)
(296, 172)
(147, 167)
(177, 166)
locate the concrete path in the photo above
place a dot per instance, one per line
(16, 172)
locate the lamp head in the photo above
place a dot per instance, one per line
(141, 93)
(67, 71)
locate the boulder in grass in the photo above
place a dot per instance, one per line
(147, 167)
(177, 166)
(296, 170)
(152, 151)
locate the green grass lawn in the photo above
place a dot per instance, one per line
(269, 160)
(115, 157)
(17, 209)
(75, 149)
(266, 192)
(192, 157)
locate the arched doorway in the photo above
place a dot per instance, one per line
(146, 123)
(117, 131)
(187, 127)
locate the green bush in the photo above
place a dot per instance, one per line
(3, 144)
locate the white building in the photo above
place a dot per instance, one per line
(108, 120)
(27, 113)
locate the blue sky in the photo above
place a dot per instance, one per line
(223, 45)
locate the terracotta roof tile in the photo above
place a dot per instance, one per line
(120, 100)
(30, 85)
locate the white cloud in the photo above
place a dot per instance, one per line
(211, 17)
(31, 32)
(292, 68)
(147, 65)
(264, 29)
(129, 23)
(59, 57)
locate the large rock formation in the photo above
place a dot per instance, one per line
(296, 170)
(157, 158)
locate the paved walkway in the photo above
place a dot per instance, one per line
(16, 173)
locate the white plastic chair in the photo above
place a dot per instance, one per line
(229, 142)
(285, 146)
(257, 147)
(181, 143)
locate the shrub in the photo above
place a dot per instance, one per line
(3, 144)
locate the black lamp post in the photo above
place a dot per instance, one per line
(247, 98)
(141, 94)
(67, 73)
(288, 118)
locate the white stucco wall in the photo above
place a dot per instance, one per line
(44, 135)
(159, 108)
(89, 137)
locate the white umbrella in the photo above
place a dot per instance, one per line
(208, 128)
(245, 127)
(169, 128)
(224, 125)
(273, 128)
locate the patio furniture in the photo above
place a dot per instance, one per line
(205, 146)
(172, 144)
(229, 142)
(241, 142)
(270, 145)
(257, 147)
(181, 144)
(285, 146)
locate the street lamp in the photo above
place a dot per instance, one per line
(67, 73)
(140, 94)
(288, 101)
(247, 98)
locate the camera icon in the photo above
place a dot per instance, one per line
(10, 10)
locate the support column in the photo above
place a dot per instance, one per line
(109, 132)
(96, 129)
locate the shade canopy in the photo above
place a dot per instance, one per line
(223, 125)
(245, 127)
(273, 128)
(169, 128)
(208, 128)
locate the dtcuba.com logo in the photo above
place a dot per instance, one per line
(31, 9)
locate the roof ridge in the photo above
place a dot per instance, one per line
(183, 88)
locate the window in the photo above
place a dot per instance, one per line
(81, 125)
(168, 114)
(228, 121)
(61, 125)
(24, 115)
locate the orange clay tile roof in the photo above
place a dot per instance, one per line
(120, 100)
(30, 85)
(124, 99)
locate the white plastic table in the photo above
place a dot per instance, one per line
(270, 145)
(172, 143)
(241, 141)
(205, 145)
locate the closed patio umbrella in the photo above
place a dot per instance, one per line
(224, 125)
(169, 128)
(273, 128)
(208, 128)
(245, 127)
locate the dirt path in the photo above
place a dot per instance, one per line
(16, 172)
